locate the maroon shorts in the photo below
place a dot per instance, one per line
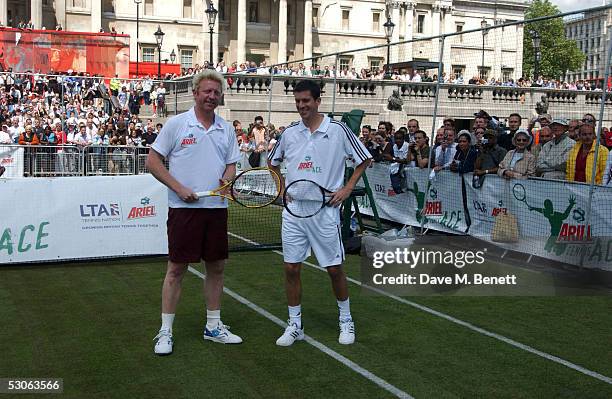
(196, 234)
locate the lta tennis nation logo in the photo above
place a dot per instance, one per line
(562, 232)
(145, 210)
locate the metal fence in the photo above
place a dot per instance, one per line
(70, 160)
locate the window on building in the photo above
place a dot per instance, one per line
(290, 20)
(222, 10)
(186, 58)
(458, 70)
(187, 9)
(345, 19)
(78, 3)
(375, 63)
(315, 17)
(484, 72)
(459, 28)
(253, 12)
(148, 54)
(344, 62)
(421, 23)
(507, 74)
(375, 22)
(148, 7)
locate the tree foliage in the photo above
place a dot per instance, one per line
(558, 54)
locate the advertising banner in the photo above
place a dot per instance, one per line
(81, 217)
(11, 157)
(546, 218)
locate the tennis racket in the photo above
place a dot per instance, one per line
(518, 190)
(305, 198)
(253, 188)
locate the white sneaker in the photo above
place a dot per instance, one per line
(292, 333)
(347, 332)
(164, 343)
(221, 334)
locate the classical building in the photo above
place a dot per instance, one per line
(277, 31)
(590, 32)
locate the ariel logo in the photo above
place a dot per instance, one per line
(307, 158)
(145, 201)
(433, 193)
(578, 215)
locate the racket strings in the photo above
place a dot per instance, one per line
(304, 198)
(256, 188)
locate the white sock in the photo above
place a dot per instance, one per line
(295, 315)
(345, 309)
(213, 317)
(167, 320)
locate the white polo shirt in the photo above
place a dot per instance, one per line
(197, 157)
(319, 156)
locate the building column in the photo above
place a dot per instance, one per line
(36, 13)
(241, 36)
(498, 38)
(395, 18)
(409, 29)
(60, 14)
(307, 31)
(96, 15)
(4, 12)
(282, 31)
(435, 31)
(216, 35)
(449, 27)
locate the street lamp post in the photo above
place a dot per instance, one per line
(137, 33)
(389, 25)
(485, 31)
(535, 38)
(211, 15)
(159, 38)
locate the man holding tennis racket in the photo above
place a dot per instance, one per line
(314, 151)
(202, 152)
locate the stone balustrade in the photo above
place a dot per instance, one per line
(249, 95)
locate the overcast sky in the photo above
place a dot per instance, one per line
(570, 5)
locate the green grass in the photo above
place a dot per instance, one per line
(93, 324)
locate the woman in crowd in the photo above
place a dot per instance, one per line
(520, 162)
(466, 154)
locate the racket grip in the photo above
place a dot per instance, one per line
(201, 194)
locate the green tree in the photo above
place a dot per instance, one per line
(558, 54)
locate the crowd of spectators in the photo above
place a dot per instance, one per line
(548, 148)
(45, 112)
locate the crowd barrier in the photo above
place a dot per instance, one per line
(546, 218)
(71, 160)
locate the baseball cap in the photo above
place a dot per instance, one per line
(490, 132)
(545, 116)
(560, 121)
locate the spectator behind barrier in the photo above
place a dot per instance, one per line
(465, 154)
(607, 180)
(545, 137)
(399, 159)
(581, 157)
(445, 149)
(491, 154)
(551, 162)
(520, 162)
(418, 154)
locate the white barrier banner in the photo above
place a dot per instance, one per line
(12, 159)
(81, 217)
(550, 215)
(437, 203)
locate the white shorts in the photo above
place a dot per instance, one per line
(320, 232)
